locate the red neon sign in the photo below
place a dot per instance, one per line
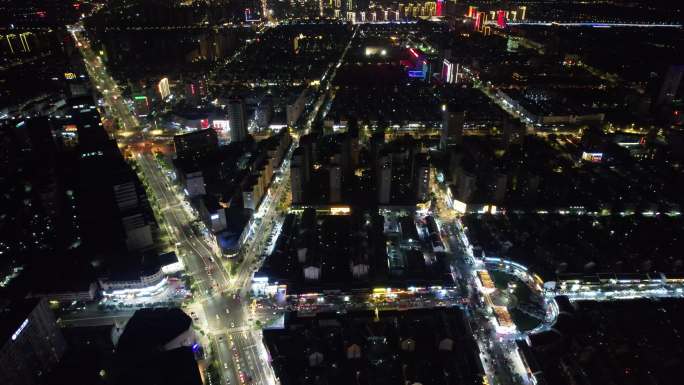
(501, 19)
(413, 52)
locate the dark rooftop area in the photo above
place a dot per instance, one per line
(428, 347)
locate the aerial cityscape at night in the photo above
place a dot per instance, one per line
(341, 192)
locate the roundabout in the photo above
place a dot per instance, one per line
(524, 306)
(517, 302)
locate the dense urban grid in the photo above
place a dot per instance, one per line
(341, 192)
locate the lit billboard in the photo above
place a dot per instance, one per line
(221, 125)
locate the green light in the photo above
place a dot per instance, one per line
(140, 97)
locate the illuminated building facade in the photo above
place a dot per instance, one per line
(472, 11)
(163, 87)
(141, 105)
(501, 19)
(450, 72)
(417, 66)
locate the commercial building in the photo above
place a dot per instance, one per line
(81, 292)
(141, 277)
(32, 343)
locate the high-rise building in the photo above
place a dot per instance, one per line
(422, 178)
(195, 145)
(238, 119)
(452, 126)
(376, 142)
(308, 144)
(141, 105)
(500, 187)
(472, 11)
(112, 205)
(501, 19)
(138, 230)
(346, 157)
(384, 179)
(264, 113)
(450, 71)
(32, 343)
(298, 171)
(296, 181)
(163, 87)
(335, 177)
(480, 18)
(670, 86)
(466, 186)
(195, 90)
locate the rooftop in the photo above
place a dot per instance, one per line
(12, 315)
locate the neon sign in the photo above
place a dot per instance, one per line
(594, 157)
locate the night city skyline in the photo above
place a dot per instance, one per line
(341, 192)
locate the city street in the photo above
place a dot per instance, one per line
(216, 308)
(217, 193)
(220, 306)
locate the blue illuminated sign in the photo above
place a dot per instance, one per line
(21, 328)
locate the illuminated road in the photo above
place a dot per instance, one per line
(222, 311)
(219, 306)
(500, 358)
(214, 309)
(88, 319)
(104, 83)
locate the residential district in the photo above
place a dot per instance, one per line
(341, 192)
